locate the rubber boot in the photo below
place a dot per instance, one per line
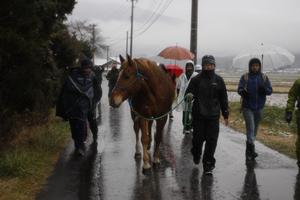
(248, 152)
(254, 154)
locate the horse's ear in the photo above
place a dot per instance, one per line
(121, 59)
(129, 60)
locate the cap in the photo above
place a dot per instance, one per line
(208, 59)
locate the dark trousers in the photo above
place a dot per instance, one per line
(78, 130)
(93, 124)
(205, 130)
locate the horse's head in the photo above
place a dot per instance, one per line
(128, 83)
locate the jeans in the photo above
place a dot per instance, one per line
(252, 120)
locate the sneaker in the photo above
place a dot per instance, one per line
(208, 169)
(209, 172)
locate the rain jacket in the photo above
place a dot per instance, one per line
(78, 96)
(210, 96)
(257, 86)
(293, 96)
(182, 84)
(112, 77)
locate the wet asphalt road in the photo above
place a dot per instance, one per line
(110, 172)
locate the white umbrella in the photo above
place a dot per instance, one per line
(272, 57)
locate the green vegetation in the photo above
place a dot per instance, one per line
(28, 160)
(273, 131)
(36, 48)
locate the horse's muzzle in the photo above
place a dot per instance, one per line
(115, 100)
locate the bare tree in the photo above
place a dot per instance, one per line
(90, 33)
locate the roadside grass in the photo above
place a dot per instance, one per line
(28, 160)
(274, 132)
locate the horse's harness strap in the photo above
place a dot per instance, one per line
(138, 76)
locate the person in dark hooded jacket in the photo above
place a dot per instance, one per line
(76, 103)
(112, 77)
(210, 97)
(253, 88)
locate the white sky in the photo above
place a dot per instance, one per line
(225, 27)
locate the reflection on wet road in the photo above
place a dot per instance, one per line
(111, 173)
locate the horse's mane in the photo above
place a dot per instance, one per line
(155, 75)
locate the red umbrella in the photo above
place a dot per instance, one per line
(176, 53)
(174, 69)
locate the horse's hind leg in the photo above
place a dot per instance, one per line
(158, 138)
(136, 127)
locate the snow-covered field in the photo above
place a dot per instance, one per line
(273, 100)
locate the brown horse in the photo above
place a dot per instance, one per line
(150, 93)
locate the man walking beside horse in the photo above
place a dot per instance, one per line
(210, 97)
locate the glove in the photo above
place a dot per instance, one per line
(244, 93)
(288, 116)
(261, 90)
(189, 97)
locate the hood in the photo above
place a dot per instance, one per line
(189, 62)
(252, 61)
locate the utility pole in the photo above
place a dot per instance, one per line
(131, 28)
(194, 29)
(126, 42)
(107, 54)
(93, 43)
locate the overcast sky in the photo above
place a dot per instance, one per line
(225, 27)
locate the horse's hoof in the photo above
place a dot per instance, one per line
(137, 155)
(147, 172)
(156, 166)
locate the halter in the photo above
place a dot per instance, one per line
(138, 76)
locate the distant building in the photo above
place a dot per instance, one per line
(107, 64)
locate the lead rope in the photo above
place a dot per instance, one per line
(165, 114)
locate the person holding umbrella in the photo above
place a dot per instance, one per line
(253, 88)
(182, 84)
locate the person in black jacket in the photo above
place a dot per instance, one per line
(210, 97)
(76, 103)
(112, 77)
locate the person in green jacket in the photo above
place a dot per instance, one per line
(293, 96)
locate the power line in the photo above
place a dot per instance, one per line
(137, 34)
(155, 19)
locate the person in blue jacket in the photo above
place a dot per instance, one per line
(76, 103)
(253, 88)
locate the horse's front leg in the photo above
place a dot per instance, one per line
(136, 127)
(145, 141)
(158, 138)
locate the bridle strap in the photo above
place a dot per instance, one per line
(138, 76)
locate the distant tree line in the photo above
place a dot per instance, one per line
(36, 46)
